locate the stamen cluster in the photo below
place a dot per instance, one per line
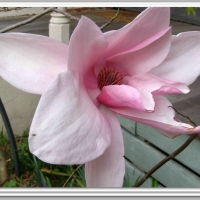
(109, 76)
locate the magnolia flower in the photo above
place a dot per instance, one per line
(99, 75)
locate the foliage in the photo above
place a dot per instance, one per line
(154, 182)
(34, 172)
(190, 10)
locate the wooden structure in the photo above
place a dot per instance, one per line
(145, 147)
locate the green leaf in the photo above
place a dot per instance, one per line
(48, 182)
(154, 182)
(11, 183)
(55, 172)
(190, 10)
(71, 182)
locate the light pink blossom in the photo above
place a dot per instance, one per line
(99, 75)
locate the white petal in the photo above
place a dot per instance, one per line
(108, 170)
(67, 127)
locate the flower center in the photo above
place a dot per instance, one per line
(109, 76)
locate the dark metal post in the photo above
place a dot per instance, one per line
(11, 138)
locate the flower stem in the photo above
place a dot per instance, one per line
(48, 10)
(71, 175)
(161, 163)
(112, 19)
(66, 14)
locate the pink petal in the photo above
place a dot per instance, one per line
(147, 100)
(151, 53)
(145, 25)
(86, 45)
(108, 170)
(157, 85)
(30, 62)
(67, 127)
(121, 96)
(182, 63)
(162, 119)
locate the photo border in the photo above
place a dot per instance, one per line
(102, 192)
(104, 3)
(87, 192)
